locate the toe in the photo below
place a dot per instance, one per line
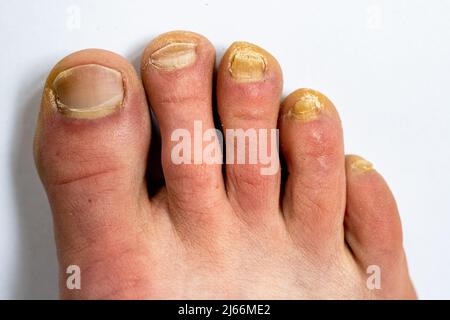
(372, 219)
(249, 84)
(312, 144)
(372, 227)
(177, 71)
(91, 146)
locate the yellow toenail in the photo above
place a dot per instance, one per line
(247, 63)
(175, 55)
(360, 165)
(88, 91)
(307, 107)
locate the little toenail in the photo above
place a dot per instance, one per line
(88, 91)
(175, 55)
(308, 107)
(361, 165)
(247, 63)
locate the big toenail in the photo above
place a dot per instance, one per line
(88, 91)
(247, 63)
(175, 55)
(307, 107)
(360, 165)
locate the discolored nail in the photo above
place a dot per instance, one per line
(247, 62)
(88, 91)
(174, 55)
(360, 165)
(308, 106)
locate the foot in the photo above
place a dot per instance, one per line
(325, 225)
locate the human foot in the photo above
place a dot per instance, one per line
(313, 232)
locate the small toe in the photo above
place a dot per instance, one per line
(373, 229)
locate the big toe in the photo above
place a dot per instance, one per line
(91, 146)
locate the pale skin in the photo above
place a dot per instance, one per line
(308, 232)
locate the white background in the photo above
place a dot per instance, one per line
(385, 64)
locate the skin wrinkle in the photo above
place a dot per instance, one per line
(314, 210)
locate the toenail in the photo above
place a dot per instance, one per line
(175, 55)
(307, 107)
(88, 91)
(360, 165)
(247, 63)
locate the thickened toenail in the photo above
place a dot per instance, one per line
(175, 55)
(307, 107)
(88, 91)
(360, 165)
(247, 63)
